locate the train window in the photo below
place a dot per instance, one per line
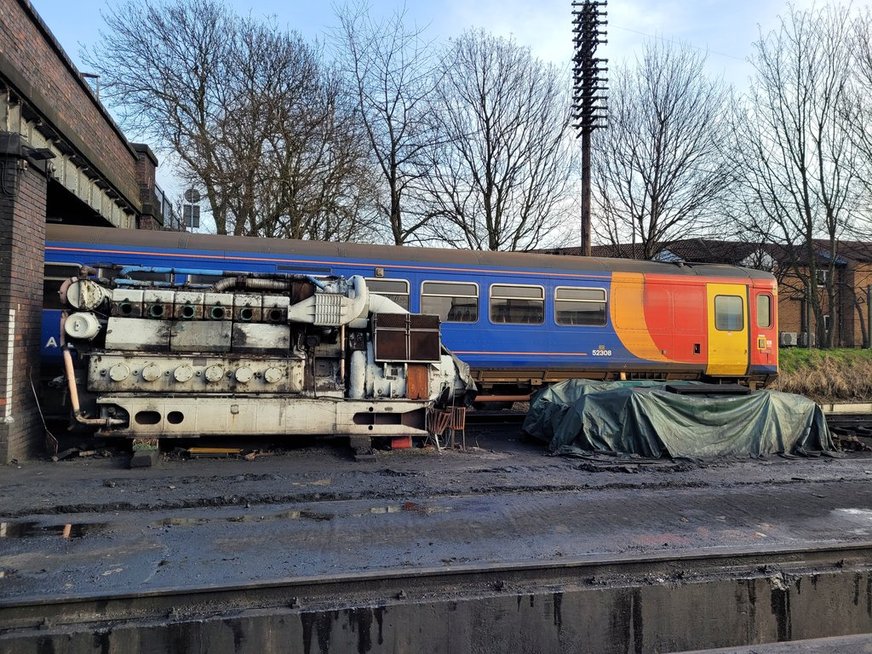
(138, 275)
(729, 313)
(451, 301)
(204, 279)
(54, 274)
(764, 310)
(580, 306)
(146, 276)
(393, 289)
(523, 305)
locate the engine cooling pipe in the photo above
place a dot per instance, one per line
(381, 304)
(74, 397)
(251, 283)
(262, 283)
(315, 310)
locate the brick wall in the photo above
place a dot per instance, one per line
(146, 172)
(789, 314)
(862, 280)
(851, 286)
(22, 242)
(33, 62)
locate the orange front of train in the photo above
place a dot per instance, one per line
(729, 326)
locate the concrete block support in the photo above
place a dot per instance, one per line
(22, 245)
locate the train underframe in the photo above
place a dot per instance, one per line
(499, 388)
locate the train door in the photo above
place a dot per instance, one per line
(727, 329)
(764, 328)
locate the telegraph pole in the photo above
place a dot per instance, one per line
(589, 99)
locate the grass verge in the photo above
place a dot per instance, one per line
(838, 375)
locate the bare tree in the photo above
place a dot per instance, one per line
(322, 188)
(391, 74)
(228, 96)
(859, 110)
(659, 172)
(499, 177)
(796, 160)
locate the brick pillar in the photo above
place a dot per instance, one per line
(22, 247)
(146, 171)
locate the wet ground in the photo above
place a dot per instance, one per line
(90, 525)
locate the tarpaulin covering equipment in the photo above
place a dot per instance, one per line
(644, 419)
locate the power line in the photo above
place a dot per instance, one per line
(677, 42)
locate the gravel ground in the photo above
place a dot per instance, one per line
(312, 510)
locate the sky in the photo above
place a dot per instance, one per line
(724, 29)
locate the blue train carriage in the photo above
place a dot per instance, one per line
(519, 320)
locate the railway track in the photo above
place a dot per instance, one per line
(849, 420)
(619, 603)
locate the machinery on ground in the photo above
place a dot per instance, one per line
(249, 353)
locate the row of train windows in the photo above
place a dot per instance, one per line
(459, 301)
(518, 304)
(509, 303)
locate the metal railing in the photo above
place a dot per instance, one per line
(168, 216)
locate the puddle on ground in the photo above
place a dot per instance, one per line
(37, 529)
(284, 515)
(413, 507)
(856, 514)
(33, 529)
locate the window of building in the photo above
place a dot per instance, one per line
(55, 274)
(393, 289)
(451, 301)
(764, 310)
(580, 306)
(729, 313)
(517, 304)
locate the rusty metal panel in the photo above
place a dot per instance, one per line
(406, 337)
(218, 306)
(126, 302)
(258, 338)
(417, 382)
(247, 307)
(138, 334)
(201, 336)
(391, 345)
(188, 305)
(157, 303)
(424, 345)
(275, 308)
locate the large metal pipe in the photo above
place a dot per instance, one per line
(74, 397)
(262, 284)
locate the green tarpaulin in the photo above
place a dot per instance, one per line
(644, 419)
